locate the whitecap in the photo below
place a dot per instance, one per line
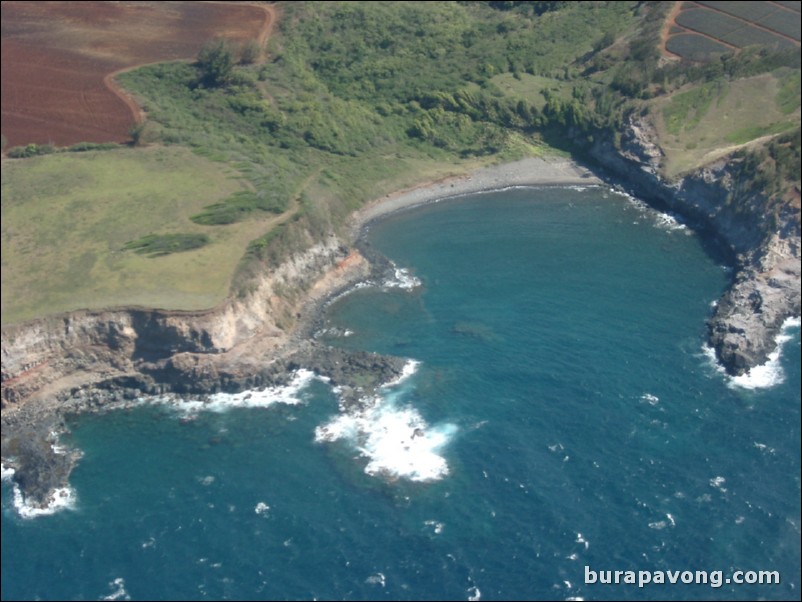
(718, 483)
(474, 594)
(377, 579)
(261, 508)
(62, 498)
(437, 527)
(119, 593)
(651, 399)
(764, 448)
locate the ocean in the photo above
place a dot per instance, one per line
(560, 418)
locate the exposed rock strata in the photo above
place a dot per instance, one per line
(763, 237)
(89, 361)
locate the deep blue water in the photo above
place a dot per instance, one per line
(571, 420)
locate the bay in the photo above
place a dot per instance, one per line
(568, 418)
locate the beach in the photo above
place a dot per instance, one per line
(532, 171)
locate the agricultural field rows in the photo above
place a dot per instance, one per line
(701, 31)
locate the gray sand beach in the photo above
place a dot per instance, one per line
(526, 172)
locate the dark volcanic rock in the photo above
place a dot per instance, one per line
(761, 234)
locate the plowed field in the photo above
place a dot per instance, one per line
(59, 58)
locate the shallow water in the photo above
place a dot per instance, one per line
(561, 413)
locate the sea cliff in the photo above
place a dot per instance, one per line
(761, 233)
(94, 360)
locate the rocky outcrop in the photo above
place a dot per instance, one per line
(44, 357)
(86, 361)
(761, 234)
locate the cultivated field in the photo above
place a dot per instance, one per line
(58, 59)
(701, 31)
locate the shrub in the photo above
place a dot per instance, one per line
(215, 62)
(157, 245)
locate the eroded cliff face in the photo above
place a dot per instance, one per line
(762, 234)
(152, 351)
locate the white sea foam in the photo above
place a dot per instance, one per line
(377, 579)
(402, 279)
(408, 370)
(119, 593)
(395, 439)
(665, 221)
(62, 498)
(222, 402)
(474, 595)
(669, 221)
(718, 483)
(651, 399)
(437, 527)
(7, 472)
(766, 375)
(261, 508)
(764, 448)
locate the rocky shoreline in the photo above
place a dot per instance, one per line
(761, 237)
(98, 361)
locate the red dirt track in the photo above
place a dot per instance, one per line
(58, 59)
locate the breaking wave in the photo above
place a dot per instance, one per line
(62, 498)
(288, 394)
(766, 375)
(394, 437)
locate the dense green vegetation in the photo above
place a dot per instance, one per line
(775, 167)
(358, 96)
(358, 99)
(158, 245)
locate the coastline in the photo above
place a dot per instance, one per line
(265, 359)
(363, 263)
(258, 358)
(532, 171)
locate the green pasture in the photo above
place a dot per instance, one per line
(699, 124)
(67, 218)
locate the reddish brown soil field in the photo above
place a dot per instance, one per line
(58, 60)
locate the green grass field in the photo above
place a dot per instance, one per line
(707, 121)
(66, 219)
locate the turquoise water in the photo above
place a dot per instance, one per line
(568, 418)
